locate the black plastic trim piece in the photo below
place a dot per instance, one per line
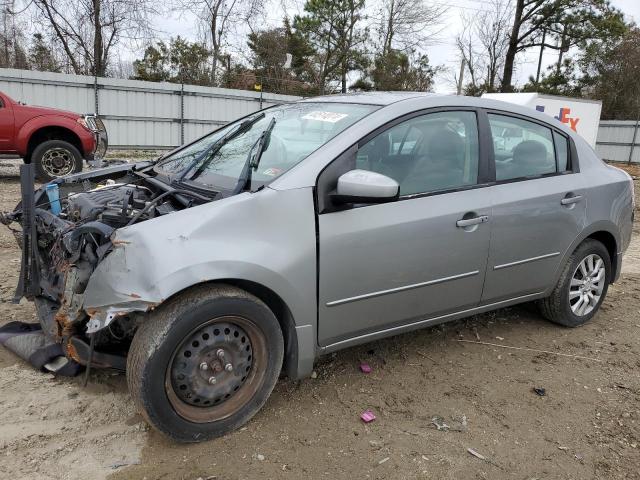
(346, 200)
(486, 142)
(98, 359)
(29, 281)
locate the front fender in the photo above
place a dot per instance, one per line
(87, 139)
(126, 277)
(267, 238)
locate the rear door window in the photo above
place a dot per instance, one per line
(521, 148)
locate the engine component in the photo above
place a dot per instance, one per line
(112, 204)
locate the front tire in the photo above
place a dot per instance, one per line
(204, 363)
(582, 286)
(54, 159)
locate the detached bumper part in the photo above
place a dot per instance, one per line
(73, 347)
(28, 341)
(81, 351)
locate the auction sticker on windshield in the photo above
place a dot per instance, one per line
(331, 117)
(272, 172)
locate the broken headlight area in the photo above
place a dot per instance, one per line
(65, 236)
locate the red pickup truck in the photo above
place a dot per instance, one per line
(54, 140)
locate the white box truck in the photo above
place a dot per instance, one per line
(582, 116)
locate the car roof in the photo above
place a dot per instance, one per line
(395, 105)
(430, 100)
(370, 98)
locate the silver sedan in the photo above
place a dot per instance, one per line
(314, 226)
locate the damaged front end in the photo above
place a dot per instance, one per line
(63, 239)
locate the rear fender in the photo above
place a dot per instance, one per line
(601, 226)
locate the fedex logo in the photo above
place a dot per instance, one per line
(564, 117)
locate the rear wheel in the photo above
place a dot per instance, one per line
(582, 286)
(54, 159)
(205, 363)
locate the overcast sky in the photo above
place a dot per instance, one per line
(441, 53)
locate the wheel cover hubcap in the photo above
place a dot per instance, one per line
(216, 369)
(57, 162)
(587, 285)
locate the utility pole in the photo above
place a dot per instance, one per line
(635, 133)
(182, 111)
(544, 36)
(461, 76)
(563, 48)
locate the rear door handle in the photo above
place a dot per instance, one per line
(571, 200)
(468, 222)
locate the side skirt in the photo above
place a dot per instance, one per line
(388, 332)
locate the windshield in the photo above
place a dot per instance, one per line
(217, 160)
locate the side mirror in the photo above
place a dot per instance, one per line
(362, 186)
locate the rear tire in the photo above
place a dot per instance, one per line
(181, 382)
(582, 286)
(54, 159)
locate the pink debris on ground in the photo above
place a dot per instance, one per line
(365, 368)
(367, 416)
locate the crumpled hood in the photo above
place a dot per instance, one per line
(146, 253)
(246, 237)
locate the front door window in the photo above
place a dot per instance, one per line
(427, 153)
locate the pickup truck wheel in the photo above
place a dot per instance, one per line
(205, 363)
(582, 286)
(54, 159)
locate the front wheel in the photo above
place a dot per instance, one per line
(205, 363)
(54, 159)
(582, 286)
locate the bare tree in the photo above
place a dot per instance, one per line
(220, 19)
(12, 38)
(407, 25)
(493, 32)
(89, 30)
(7, 21)
(483, 44)
(471, 56)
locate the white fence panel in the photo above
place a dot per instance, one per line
(68, 92)
(138, 114)
(141, 114)
(619, 140)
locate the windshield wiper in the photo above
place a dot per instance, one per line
(253, 160)
(243, 127)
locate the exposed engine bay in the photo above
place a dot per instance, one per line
(111, 203)
(65, 238)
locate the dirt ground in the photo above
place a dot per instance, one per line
(587, 426)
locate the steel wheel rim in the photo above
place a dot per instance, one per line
(587, 285)
(57, 162)
(232, 389)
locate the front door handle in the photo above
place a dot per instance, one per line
(468, 222)
(571, 200)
